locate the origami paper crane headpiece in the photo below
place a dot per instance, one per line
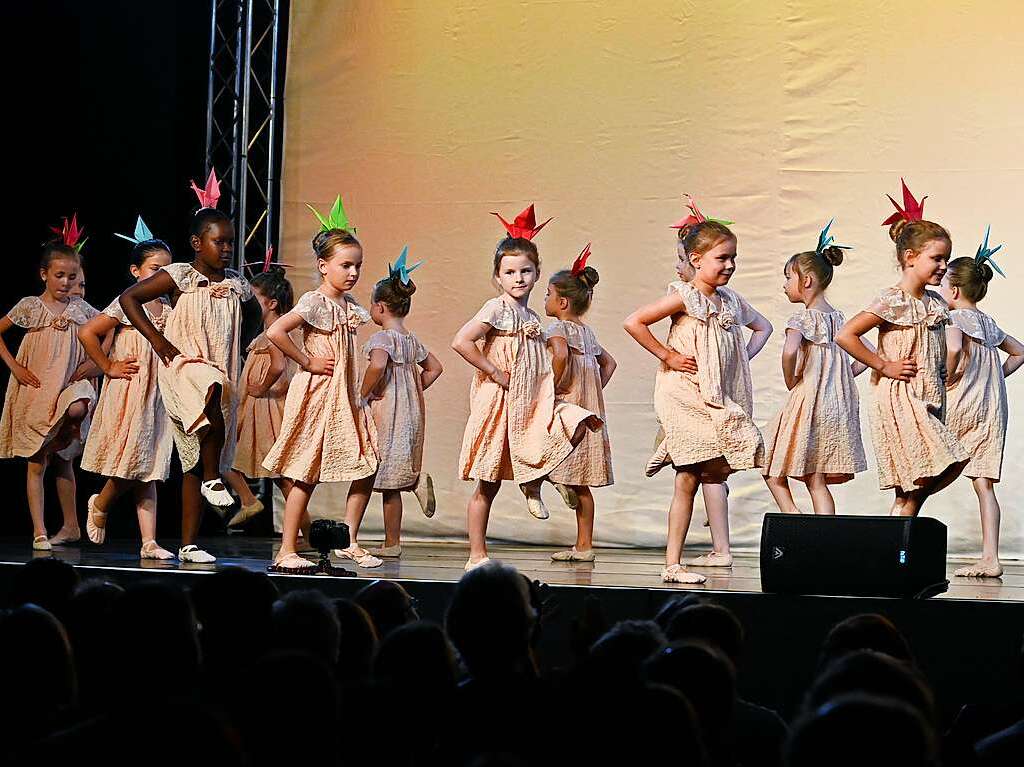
(336, 219)
(696, 217)
(70, 234)
(826, 240)
(581, 261)
(912, 210)
(400, 271)
(267, 262)
(208, 196)
(142, 233)
(524, 225)
(985, 253)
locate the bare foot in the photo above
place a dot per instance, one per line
(678, 574)
(983, 568)
(714, 559)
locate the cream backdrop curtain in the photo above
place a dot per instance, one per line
(428, 114)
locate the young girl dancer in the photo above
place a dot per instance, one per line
(326, 434)
(702, 394)
(976, 391)
(48, 395)
(400, 369)
(265, 379)
(816, 438)
(516, 429)
(130, 441)
(581, 368)
(917, 454)
(214, 314)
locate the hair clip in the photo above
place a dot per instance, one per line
(581, 261)
(142, 233)
(985, 253)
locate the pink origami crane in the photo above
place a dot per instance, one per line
(912, 210)
(208, 197)
(581, 261)
(524, 225)
(267, 262)
(72, 236)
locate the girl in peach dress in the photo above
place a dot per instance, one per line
(816, 437)
(581, 368)
(130, 442)
(516, 430)
(215, 315)
(976, 392)
(327, 434)
(48, 394)
(702, 394)
(917, 454)
(265, 380)
(400, 369)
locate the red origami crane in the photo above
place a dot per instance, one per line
(266, 262)
(208, 197)
(525, 224)
(581, 261)
(71, 235)
(696, 217)
(912, 210)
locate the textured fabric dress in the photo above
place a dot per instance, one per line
(708, 414)
(131, 434)
(51, 350)
(818, 429)
(205, 326)
(912, 442)
(976, 409)
(327, 435)
(259, 418)
(399, 413)
(520, 434)
(590, 464)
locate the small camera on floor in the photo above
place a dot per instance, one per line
(326, 534)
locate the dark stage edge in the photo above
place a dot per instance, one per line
(967, 641)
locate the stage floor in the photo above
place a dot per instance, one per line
(443, 563)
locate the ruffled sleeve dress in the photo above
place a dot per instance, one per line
(259, 418)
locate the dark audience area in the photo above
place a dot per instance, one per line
(232, 672)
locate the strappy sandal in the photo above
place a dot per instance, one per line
(97, 532)
(293, 564)
(193, 553)
(41, 543)
(424, 492)
(360, 556)
(214, 496)
(573, 555)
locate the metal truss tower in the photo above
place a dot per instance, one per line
(243, 117)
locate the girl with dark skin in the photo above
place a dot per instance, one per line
(212, 241)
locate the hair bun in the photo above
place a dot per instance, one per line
(405, 290)
(833, 255)
(897, 229)
(984, 271)
(685, 230)
(589, 277)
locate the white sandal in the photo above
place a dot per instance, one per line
(359, 555)
(679, 574)
(216, 497)
(471, 565)
(41, 543)
(193, 553)
(153, 550)
(424, 492)
(97, 533)
(535, 504)
(573, 555)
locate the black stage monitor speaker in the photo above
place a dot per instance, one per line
(853, 555)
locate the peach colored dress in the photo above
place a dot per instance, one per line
(590, 464)
(520, 434)
(259, 418)
(912, 442)
(131, 434)
(51, 350)
(976, 410)
(707, 415)
(327, 434)
(205, 326)
(818, 429)
(399, 414)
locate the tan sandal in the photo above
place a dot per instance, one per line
(293, 564)
(153, 550)
(679, 574)
(360, 556)
(573, 555)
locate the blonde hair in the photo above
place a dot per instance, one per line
(326, 240)
(702, 237)
(914, 235)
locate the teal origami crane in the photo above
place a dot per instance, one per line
(336, 219)
(826, 240)
(142, 233)
(400, 270)
(985, 253)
